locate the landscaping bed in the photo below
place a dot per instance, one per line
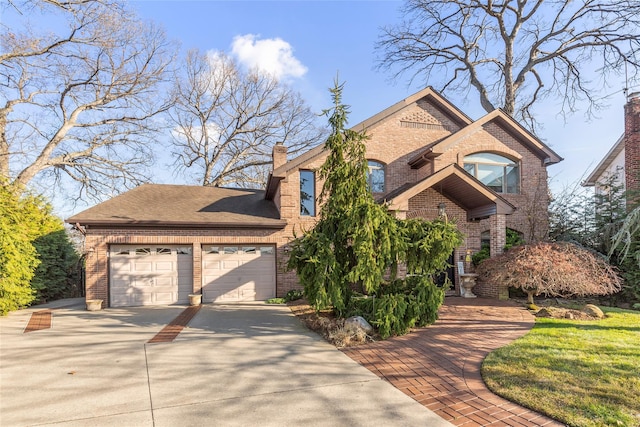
(332, 329)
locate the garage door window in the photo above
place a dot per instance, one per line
(231, 250)
(249, 250)
(212, 249)
(143, 251)
(122, 252)
(184, 250)
(266, 250)
(163, 251)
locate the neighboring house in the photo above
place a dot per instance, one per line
(621, 165)
(157, 244)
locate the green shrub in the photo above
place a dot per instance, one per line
(402, 305)
(481, 255)
(58, 259)
(33, 250)
(293, 295)
(275, 301)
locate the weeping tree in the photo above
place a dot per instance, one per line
(553, 269)
(357, 244)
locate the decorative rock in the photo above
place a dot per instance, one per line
(359, 322)
(593, 311)
(544, 312)
(569, 315)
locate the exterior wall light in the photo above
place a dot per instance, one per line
(442, 210)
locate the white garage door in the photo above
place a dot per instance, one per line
(150, 274)
(238, 273)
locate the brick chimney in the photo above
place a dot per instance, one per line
(279, 155)
(632, 142)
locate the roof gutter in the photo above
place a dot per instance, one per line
(275, 224)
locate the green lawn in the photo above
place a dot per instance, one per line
(582, 373)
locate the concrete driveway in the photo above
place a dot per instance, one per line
(244, 365)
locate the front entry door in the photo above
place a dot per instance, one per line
(449, 273)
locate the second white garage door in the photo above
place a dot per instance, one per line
(238, 273)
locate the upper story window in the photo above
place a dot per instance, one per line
(375, 176)
(496, 172)
(307, 193)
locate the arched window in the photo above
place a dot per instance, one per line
(375, 176)
(496, 172)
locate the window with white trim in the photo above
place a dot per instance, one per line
(499, 173)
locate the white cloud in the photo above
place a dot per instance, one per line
(274, 56)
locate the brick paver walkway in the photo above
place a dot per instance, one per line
(173, 329)
(439, 366)
(38, 321)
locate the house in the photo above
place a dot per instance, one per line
(157, 244)
(621, 165)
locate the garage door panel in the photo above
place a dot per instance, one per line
(230, 264)
(164, 282)
(164, 297)
(165, 266)
(233, 274)
(142, 266)
(148, 275)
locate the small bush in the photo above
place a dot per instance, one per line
(293, 295)
(275, 301)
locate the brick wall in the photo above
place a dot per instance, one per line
(632, 142)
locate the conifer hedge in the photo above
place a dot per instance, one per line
(35, 253)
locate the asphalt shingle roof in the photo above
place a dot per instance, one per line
(184, 206)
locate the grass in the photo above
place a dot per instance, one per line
(582, 373)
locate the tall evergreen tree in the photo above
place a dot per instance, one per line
(357, 244)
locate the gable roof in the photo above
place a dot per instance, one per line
(478, 200)
(605, 163)
(159, 205)
(447, 108)
(502, 119)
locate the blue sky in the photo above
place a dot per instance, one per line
(308, 43)
(325, 38)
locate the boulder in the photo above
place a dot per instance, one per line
(593, 311)
(544, 312)
(359, 322)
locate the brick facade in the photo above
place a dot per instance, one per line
(632, 142)
(396, 137)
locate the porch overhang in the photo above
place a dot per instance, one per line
(457, 185)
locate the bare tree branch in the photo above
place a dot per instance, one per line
(81, 100)
(515, 53)
(227, 121)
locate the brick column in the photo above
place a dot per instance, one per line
(96, 270)
(498, 224)
(197, 268)
(632, 144)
